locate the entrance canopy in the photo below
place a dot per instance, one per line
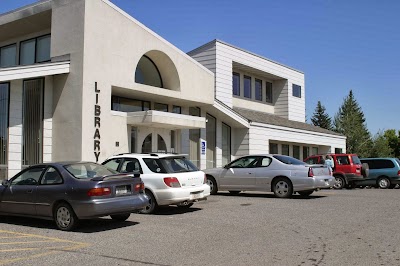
(160, 119)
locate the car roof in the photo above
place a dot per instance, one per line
(148, 155)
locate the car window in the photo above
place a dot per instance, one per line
(265, 161)
(29, 177)
(154, 165)
(178, 165)
(288, 160)
(245, 162)
(131, 165)
(51, 177)
(88, 170)
(355, 159)
(113, 163)
(313, 160)
(342, 160)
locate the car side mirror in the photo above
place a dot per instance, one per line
(226, 166)
(5, 183)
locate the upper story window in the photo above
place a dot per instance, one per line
(258, 90)
(247, 87)
(147, 73)
(35, 50)
(296, 90)
(8, 55)
(236, 83)
(128, 105)
(268, 92)
(176, 109)
(161, 107)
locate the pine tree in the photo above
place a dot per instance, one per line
(350, 121)
(320, 118)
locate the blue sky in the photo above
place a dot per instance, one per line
(338, 44)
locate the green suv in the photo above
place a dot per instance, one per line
(383, 172)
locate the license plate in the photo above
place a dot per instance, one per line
(196, 196)
(122, 190)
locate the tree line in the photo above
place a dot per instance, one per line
(350, 122)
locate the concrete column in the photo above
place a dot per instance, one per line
(48, 119)
(15, 129)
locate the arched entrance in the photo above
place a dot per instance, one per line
(154, 140)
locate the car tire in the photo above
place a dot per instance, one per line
(283, 188)
(120, 217)
(339, 182)
(187, 206)
(65, 217)
(234, 192)
(305, 193)
(365, 170)
(383, 182)
(213, 185)
(153, 206)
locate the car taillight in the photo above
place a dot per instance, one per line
(139, 187)
(398, 173)
(172, 182)
(101, 191)
(310, 172)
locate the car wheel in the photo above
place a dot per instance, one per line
(187, 206)
(152, 207)
(213, 185)
(339, 182)
(120, 217)
(283, 188)
(305, 193)
(232, 192)
(383, 182)
(65, 217)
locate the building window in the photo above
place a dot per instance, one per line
(236, 83)
(247, 87)
(177, 109)
(258, 90)
(211, 136)
(128, 105)
(285, 149)
(194, 139)
(35, 50)
(338, 150)
(296, 90)
(173, 134)
(147, 143)
(296, 152)
(314, 150)
(273, 148)
(161, 145)
(161, 107)
(4, 110)
(8, 56)
(268, 92)
(306, 152)
(226, 144)
(147, 73)
(32, 125)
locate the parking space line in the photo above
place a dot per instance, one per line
(48, 249)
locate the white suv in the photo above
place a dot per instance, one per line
(169, 179)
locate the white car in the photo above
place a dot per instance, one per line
(169, 179)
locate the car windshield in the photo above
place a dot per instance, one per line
(170, 165)
(288, 160)
(88, 170)
(356, 160)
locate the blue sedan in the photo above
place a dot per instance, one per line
(68, 192)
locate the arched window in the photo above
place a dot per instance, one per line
(146, 146)
(147, 73)
(161, 146)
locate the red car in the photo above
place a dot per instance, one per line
(347, 168)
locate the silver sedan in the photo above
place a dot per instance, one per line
(283, 175)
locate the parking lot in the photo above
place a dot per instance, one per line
(332, 227)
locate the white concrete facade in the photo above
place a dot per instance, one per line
(92, 91)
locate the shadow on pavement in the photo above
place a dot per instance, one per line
(267, 195)
(174, 210)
